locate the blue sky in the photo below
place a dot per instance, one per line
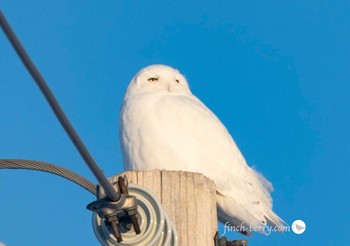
(275, 72)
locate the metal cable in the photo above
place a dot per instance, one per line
(40, 81)
(49, 168)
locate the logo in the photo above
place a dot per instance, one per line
(267, 230)
(298, 226)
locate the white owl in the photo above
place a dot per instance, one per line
(164, 126)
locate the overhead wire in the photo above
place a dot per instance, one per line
(49, 168)
(56, 108)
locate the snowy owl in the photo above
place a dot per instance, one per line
(164, 126)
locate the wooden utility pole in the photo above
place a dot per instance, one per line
(188, 198)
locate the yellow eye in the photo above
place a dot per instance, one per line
(152, 79)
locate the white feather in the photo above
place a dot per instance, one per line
(164, 126)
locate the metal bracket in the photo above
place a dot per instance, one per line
(121, 213)
(224, 242)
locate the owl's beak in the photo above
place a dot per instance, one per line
(169, 87)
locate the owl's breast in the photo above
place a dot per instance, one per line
(175, 133)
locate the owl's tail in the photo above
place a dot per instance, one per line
(275, 222)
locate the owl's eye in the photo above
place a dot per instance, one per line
(178, 81)
(152, 79)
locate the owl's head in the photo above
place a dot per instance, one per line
(158, 79)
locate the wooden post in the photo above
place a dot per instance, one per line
(188, 198)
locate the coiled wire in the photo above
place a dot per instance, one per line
(49, 168)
